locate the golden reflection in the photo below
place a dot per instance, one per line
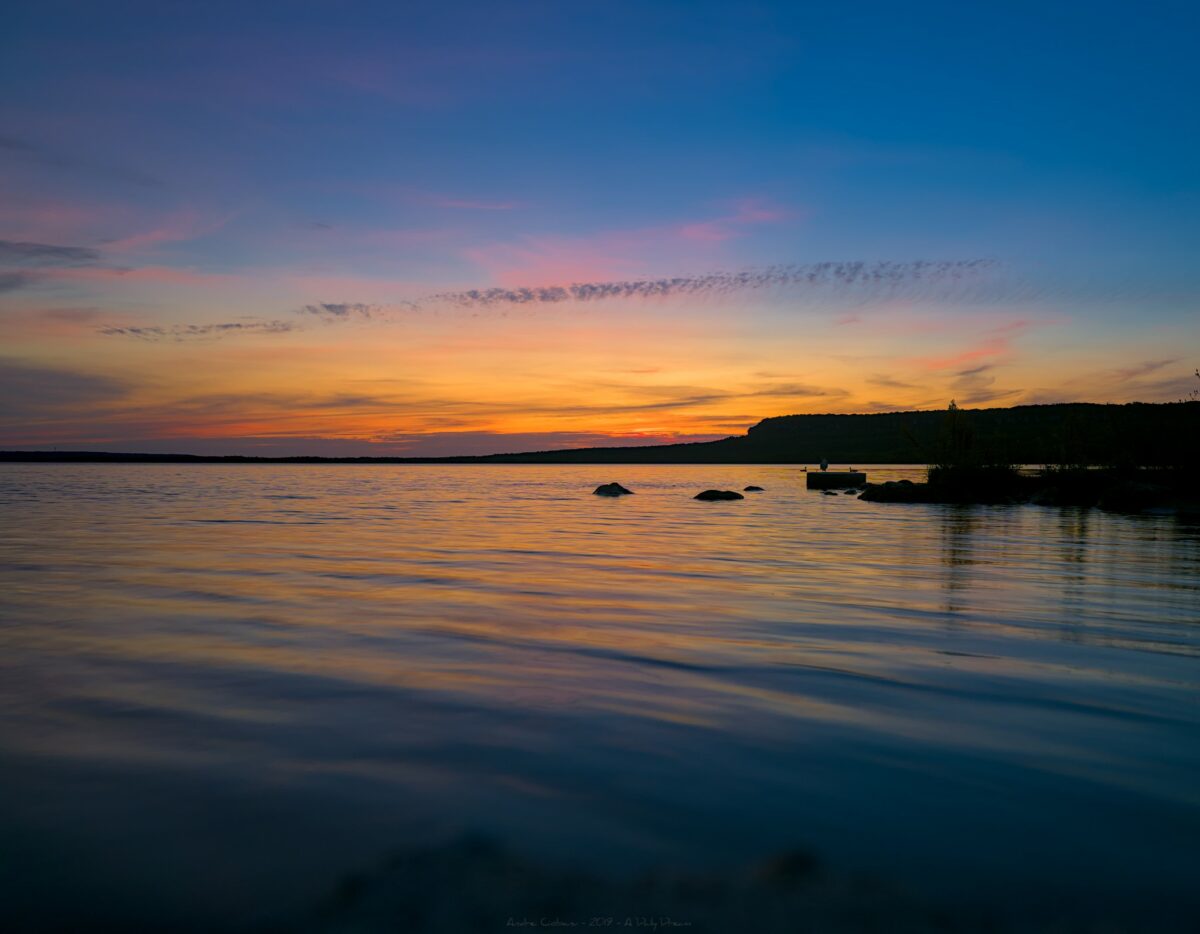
(958, 527)
(1073, 535)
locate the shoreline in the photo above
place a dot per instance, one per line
(1162, 490)
(1154, 434)
(535, 459)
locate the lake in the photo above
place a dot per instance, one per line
(273, 696)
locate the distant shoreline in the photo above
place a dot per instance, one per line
(1073, 433)
(105, 457)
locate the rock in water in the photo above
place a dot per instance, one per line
(829, 492)
(611, 489)
(754, 489)
(709, 495)
(835, 479)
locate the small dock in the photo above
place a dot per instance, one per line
(835, 479)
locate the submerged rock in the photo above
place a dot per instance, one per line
(710, 495)
(829, 493)
(753, 489)
(611, 489)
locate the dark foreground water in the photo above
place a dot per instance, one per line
(480, 698)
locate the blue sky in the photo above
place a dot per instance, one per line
(235, 163)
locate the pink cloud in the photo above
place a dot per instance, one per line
(536, 261)
(614, 254)
(94, 224)
(397, 238)
(746, 212)
(707, 232)
(181, 226)
(998, 343)
(756, 211)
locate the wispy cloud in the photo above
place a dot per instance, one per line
(348, 311)
(1145, 368)
(24, 264)
(548, 258)
(746, 213)
(171, 275)
(29, 391)
(1122, 384)
(15, 281)
(977, 384)
(29, 263)
(22, 253)
(53, 159)
(890, 382)
(859, 280)
(179, 227)
(996, 343)
(199, 332)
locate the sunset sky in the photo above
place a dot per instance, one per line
(399, 228)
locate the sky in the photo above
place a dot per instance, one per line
(455, 228)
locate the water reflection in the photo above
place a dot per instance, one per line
(1073, 535)
(958, 527)
(307, 668)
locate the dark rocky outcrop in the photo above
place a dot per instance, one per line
(1113, 489)
(714, 495)
(834, 479)
(611, 489)
(753, 489)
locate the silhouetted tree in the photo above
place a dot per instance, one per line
(1194, 395)
(956, 447)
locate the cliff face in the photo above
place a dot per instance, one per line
(1143, 434)
(1083, 433)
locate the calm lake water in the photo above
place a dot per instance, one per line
(225, 688)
